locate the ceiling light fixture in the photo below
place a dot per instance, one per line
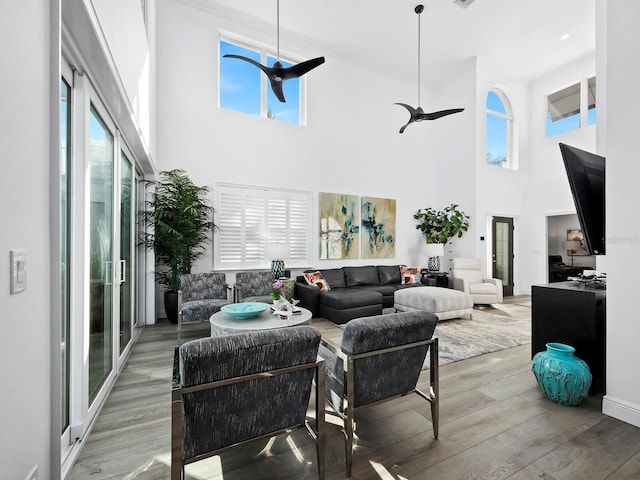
(565, 36)
(417, 114)
(277, 74)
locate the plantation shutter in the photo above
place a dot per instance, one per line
(257, 225)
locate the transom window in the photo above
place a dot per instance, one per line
(257, 225)
(572, 107)
(499, 130)
(244, 87)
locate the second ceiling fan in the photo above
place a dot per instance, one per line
(277, 74)
(417, 114)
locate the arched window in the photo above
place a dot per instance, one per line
(499, 130)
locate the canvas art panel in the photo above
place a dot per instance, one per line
(378, 227)
(339, 226)
(576, 235)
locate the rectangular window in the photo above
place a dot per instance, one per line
(243, 87)
(571, 108)
(591, 101)
(255, 223)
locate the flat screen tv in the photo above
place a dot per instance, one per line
(586, 178)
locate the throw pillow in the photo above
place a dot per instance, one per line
(316, 279)
(410, 274)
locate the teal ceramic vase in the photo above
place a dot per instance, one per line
(562, 376)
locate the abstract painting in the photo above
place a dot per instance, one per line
(339, 226)
(378, 227)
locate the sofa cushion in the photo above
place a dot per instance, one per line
(355, 276)
(482, 289)
(350, 298)
(334, 277)
(389, 274)
(317, 280)
(410, 274)
(386, 290)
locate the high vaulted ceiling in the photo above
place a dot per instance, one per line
(521, 38)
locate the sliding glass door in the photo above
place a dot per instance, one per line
(101, 170)
(99, 307)
(126, 262)
(65, 254)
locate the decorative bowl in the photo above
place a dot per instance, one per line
(245, 310)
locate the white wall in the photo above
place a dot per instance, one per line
(548, 191)
(619, 49)
(25, 408)
(122, 24)
(350, 145)
(501, 191)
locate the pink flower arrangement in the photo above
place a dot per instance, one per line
(275, 290)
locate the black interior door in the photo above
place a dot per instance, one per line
(502, 252)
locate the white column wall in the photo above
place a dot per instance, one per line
(548, 191)
(25, 345)
(619, 51)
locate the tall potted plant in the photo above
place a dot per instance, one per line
(438, 227)
(178, 224)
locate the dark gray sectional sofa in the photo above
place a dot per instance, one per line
(354, 292)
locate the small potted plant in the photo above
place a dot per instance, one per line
(178, 223)
(275, 291)
(439, 227)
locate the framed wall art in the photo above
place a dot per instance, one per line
(339, 226)
(378, 227)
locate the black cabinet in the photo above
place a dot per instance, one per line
(434, 279)
(573, 314)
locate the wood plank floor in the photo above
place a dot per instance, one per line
(494, 424)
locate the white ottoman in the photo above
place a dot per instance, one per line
(444, 302)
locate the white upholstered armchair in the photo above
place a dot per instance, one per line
(468, 278)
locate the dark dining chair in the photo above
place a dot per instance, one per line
(380, 358)
(200, 296)
(235, 389)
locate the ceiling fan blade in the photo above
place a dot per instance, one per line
(415, 114)
(405, 126)
(301, 68)
(411, 110)
(266, 70)
(276, 87)
(441, 113)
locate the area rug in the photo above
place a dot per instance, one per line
(461, 338)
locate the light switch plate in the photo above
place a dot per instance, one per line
(18, 259)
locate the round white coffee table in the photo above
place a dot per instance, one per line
(224, 324)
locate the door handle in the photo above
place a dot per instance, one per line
(123, 269)
(108, 272)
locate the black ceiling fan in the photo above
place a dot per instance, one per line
(417, 114)
(278, 74)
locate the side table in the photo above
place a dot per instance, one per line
(435, 279)
(288, 286)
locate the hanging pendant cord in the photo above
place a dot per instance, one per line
(278, 28)
(418, 58)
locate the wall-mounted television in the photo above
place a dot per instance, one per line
(586, 172)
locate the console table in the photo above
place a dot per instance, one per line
(434, 279)
(573, 314)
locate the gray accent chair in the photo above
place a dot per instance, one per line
(235, 389)
(200, 296)
(380, 358)
(253, 286)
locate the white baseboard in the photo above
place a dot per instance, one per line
(625, 411)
